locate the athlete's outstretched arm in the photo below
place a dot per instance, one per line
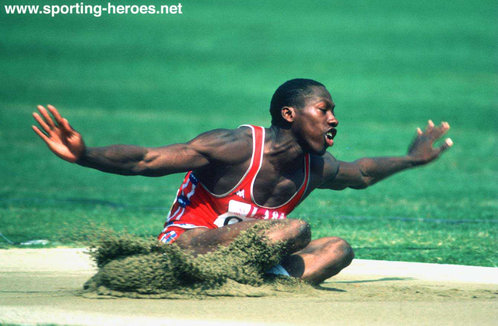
(367, 171)
(68, 144)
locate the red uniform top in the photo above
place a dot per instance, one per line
(195, 206)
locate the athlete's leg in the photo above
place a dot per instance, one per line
(295, 233)
(319, 260)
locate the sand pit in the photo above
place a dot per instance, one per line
(41, 286)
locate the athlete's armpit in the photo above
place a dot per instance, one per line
(324, 170)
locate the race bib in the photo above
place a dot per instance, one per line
(238, 212)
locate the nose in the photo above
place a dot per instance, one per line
(332, 120)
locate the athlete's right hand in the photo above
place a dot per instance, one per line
(59, 136)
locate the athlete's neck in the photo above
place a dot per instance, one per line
(284, 150)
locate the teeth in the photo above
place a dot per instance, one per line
(329, 135)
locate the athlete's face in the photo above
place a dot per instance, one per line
(315, 124)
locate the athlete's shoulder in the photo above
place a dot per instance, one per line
(220, 136)
(225, 145)
(321, 161)
(322, 167)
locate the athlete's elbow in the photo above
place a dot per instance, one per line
(358, 187)
(149, 170)
(148, 166)
(362, 183)
(363, 179)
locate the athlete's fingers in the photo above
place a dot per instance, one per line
(439, 131)
(42, 122)
(443, 128)
(47, 117)
(66, 125)
(430, 126)
(55, 113)
(445, 145)
(419, 132)
(41, 134)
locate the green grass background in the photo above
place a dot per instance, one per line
(155, 80)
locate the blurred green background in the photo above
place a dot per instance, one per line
(159, 79)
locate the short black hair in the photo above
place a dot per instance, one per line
(291, 93)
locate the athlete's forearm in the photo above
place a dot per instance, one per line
(118, 159)
(377, 168)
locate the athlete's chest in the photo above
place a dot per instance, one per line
(269, 176)
(273, 188)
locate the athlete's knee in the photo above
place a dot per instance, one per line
(295, 233)
(301, 229)
(341, 249)
(300, 232)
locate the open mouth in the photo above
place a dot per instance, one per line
(329, 136)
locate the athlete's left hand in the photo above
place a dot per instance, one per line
(421, 151)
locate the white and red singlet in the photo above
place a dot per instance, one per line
(195, 206)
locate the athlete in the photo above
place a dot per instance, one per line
(237, 178)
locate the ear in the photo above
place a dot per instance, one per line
(288, 113)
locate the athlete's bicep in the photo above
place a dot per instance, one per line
(173, 159)
(211, 147)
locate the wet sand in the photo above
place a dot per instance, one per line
(44, 286)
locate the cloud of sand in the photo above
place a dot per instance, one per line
(144, 268)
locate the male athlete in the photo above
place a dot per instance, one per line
(237, 178)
